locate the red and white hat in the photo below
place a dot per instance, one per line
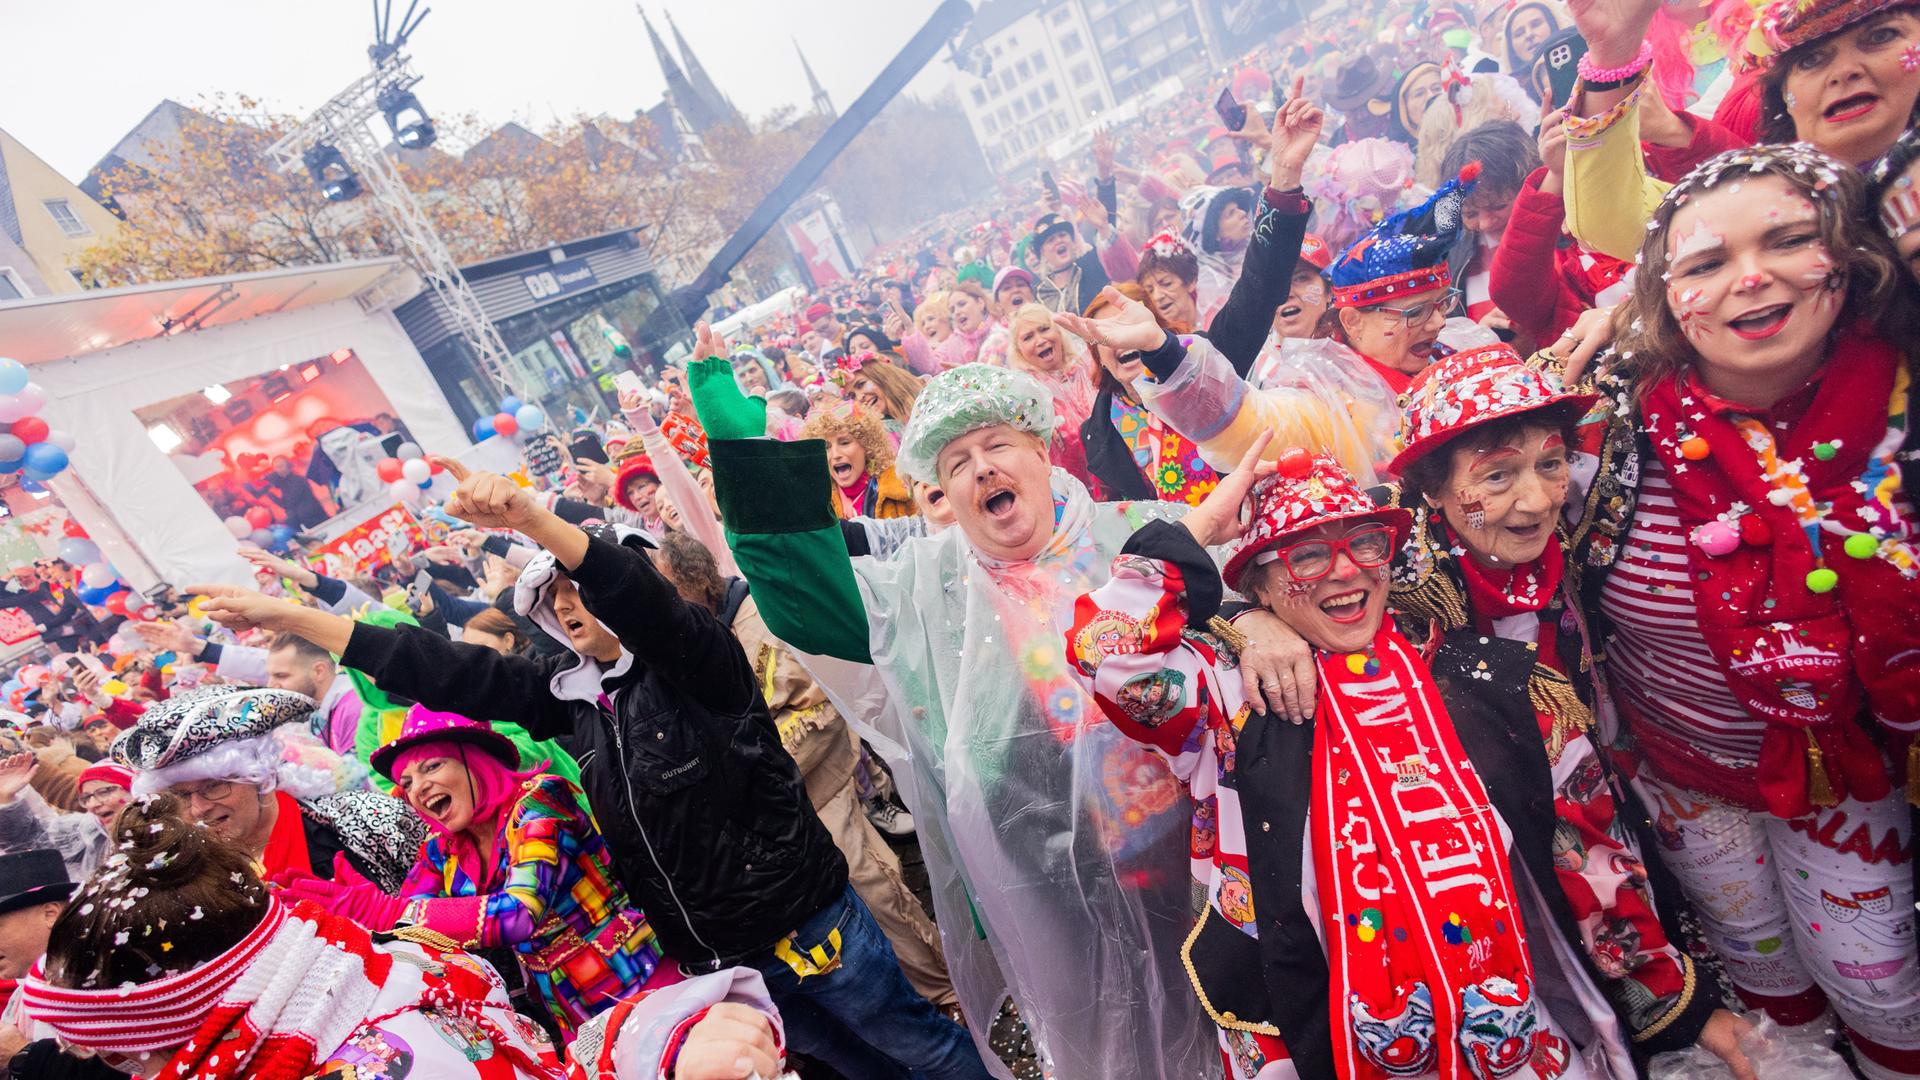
(1315, 252)
(1469, 388)
(1307, 491)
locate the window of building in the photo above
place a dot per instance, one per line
(1039, 63)
(1024, 69)
(1046, 127)
(1060, 15)
(996, 52)
(1052, 92)
(63, 216)
(1006, 79)
(1082, 74)
(1006, 116)
(1092, 103)
(79, 279)
(979, 96)
(1033, 101)
(10, 287)
(990, 125)
(1070, 42)
(1020, 109)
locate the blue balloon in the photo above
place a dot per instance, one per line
(510, 404)
(281, 533)
(96, 596)
(482, 429)
(11, 466)
(32, 485)
(44, 460)
(530, 417)
(13, 376)
(261, 538)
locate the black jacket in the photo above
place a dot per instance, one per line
(703, 811)
(1282, 983)
(1239, 331)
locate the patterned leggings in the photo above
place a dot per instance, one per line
(1806, 912)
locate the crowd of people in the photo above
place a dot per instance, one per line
(1411, 578)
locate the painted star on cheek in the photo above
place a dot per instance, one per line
(1910, 58)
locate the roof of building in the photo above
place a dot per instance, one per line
(994, 16)
(162, 123)
(43, 328)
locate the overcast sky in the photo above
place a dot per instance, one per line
(75, 78)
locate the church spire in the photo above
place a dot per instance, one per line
(711, 102)
(822, 104)
(669, 68)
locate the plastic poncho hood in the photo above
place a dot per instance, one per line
(533, 598)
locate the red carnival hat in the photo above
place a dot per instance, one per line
(1314, 251)
(1307, 491)
(1470, 388)
(425, 726)
(631, 466)
(107, 772)
(817, 312)
(1788, 24)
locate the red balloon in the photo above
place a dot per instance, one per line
(389, 469)
(31, 430)
(505, 424)
(117, 603)
(433, 464)
(1294, 463)
(259, 517)
(73, 528)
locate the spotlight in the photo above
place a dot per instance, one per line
(331, 173)
(412, 128)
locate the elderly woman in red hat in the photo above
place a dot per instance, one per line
(515, 862)
(1374, 878)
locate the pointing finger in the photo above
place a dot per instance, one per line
(454, 468)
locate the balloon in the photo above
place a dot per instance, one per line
(117, 603)
(115, 687)
(98, 575)
(62, 439)
(29, 430)
(32, 675)
(282, 535)
(94, 596)
(403, 491)
(530, 417)
(238, 526)
(44, 461)
(12, 448)
(483, 429)
(32, 397)
(259, 517)
(389, 469)
(79, 551)
(408, 451)
(74, 528)
(32, 485)
(505, 424)
(13, 376)
(510, 404)
(416, 470)
(260, 538)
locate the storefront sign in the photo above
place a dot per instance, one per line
(560, 279)
(370, 544)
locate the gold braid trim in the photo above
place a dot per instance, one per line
(433, 939)
(1819, 787)
(1679, 1007)
(1553, 694)
(1226, 1020)
(1226, 632)
(1434, 597)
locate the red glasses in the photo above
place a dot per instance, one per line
(1312, 560)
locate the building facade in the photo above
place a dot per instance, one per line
(1031, 71)
(45, 223)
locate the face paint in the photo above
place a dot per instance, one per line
(1472, 507)
(1315, 293)
(1702, 238)
(1752, 282)
(1690, 308)
(1910, 58)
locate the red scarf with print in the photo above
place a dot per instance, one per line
(1424, 939)
(1805, 662)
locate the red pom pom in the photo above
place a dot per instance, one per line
(1294, 463)
(1470, 172)
(1755, 531)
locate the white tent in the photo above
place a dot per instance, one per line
(100, 355)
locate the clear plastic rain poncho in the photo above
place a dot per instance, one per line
(1057, 848)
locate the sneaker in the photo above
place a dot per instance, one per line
(888, 818)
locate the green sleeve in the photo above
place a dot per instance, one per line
(532, 752)
(776, 499)
(370, 735)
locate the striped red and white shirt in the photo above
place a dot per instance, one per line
(1658, 661)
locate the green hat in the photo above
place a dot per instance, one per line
(966, 399)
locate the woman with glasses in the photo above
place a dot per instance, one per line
(1374, 908)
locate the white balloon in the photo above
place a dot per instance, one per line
(62, 439)
(408, 451)
(404, 491)
(98, 575)
(238, 526)
(12, 408)
(33, 397)
(416, 470)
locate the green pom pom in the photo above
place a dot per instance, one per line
(1862, 546)
(1825, 451)
(1822, 580)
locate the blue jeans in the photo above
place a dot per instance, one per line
(862, 1018)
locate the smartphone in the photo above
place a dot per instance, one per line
(629, 380)
(1053, 189)
(74, 665)
(1232, 113)
(417, 590)
(1561, 54)
(587, 445)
